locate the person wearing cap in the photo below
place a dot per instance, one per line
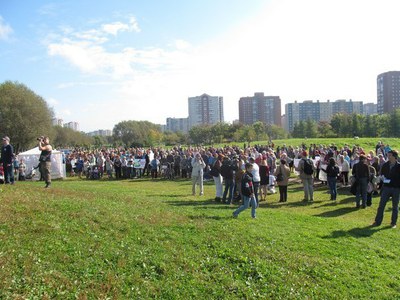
(7, 156)
(390, 173)
(45, 159)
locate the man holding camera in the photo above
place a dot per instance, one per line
(7, 157)
(45, 159)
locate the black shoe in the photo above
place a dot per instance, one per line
(47, 185)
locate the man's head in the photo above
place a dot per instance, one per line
(249, 167)
(393, 155)
(6, 140)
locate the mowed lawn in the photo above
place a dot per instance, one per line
(143, 239)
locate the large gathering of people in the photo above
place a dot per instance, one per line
(364, 173)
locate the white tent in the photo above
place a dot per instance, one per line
(31, 159)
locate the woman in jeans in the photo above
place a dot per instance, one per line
(332, 171)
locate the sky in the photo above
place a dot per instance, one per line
(102, 62)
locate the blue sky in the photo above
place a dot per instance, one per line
(101, 62)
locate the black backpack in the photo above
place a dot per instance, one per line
(308, 169)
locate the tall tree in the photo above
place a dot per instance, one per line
(23, 115)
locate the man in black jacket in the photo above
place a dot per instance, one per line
(7, 156)
(390, 173)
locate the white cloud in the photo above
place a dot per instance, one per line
(116, 27)
(5, 29)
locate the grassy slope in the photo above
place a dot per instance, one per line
(142, 239)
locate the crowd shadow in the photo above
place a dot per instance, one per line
(363, 232)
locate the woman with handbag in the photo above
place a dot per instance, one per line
(282, 174)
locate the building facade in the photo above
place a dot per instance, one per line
(388, 91)
(266, 109)
(319, 111)
(57, 122)
(72, 125)
(100, 132)
(370, 109)
(205, 109)
(177, 124)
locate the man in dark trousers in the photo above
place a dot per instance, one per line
(7, 156)
(390, 173)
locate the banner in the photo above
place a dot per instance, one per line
(139, 163)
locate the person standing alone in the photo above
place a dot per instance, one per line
(45, 159)
(7, 155)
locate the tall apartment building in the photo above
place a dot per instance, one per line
(319, 111)
(370, 109)
(100, 132)
(266, 109)
(388, 90)
(72, 125)
(57, 122)
(177, 124)
(205, 109)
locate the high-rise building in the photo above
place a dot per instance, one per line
(72, 125)
(177, 124)
(205, 109)
(100, 132)
(370, 109)
(388, 90)
(266, 109)
(57, 122)
(319, 111)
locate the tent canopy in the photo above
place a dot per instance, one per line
(31, 159)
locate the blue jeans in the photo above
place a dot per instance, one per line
(256, 188)
(388, 192)
(362, 184)
(246, 202)
(308, 188)
(332, 187)
(229, 185)
(8, 173)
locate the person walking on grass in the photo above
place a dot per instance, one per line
(390, 173)
(247, 189)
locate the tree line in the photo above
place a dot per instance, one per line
(350, 125)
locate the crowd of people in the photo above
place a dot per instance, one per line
(246, 173)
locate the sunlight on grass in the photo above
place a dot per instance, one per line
(152, 239)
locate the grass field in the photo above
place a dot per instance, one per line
(154, 240)
(366, 143)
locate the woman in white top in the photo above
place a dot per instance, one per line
(345, 168)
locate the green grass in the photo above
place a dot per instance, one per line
(366, 143)
(154, 240)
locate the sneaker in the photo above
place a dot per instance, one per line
(234, 216)
(375, 224)
(393, 226)
(47, 185)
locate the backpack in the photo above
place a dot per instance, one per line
(308, 168)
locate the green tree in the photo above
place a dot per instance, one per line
(201, 134)
(134, 133)
(325, 130)
(23, 115)
(259, 129)
(311, 129)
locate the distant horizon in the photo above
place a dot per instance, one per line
(101, 63)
